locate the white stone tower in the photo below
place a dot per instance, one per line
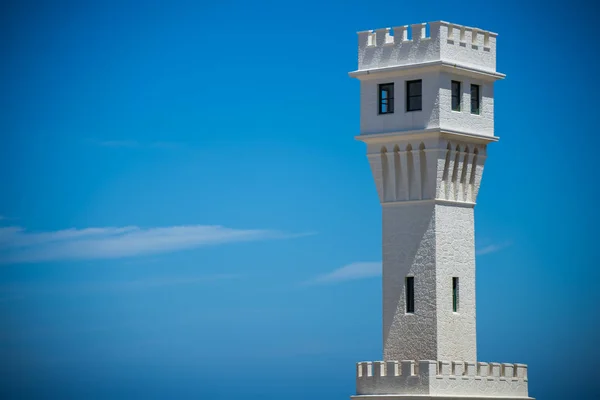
(427, 116)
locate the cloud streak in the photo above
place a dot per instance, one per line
(492, 248)
(353, 271)
(363, 270)
(20, 246)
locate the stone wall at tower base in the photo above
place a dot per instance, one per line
(426, 379)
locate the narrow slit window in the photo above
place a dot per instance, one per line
(455, 294)
(456, 96)
(475, 106)
(414, 95)
(410, 294)
(386, 98)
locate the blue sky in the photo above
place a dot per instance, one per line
(183, 204)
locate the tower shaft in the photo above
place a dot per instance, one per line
(419, 241)
(428, 195)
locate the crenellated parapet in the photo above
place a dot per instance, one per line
(427, 42)
(442, 378)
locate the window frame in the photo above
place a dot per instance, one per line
(455, 294)
(409, 283)
(477, 99)
(389, 100)
(458, 96)
(409, 96)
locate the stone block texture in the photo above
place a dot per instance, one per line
(405, 46)
(420, 241)
(436, 110)
(441, 379)
(427, 166)
(449, 52)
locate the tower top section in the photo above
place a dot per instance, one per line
(433, 43)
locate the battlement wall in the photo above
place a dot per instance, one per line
(441, 378)
(408, 45)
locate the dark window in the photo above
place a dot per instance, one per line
(475, 99)
(455, 294)
(386, 98)
(410, 294)
(413, 95)
(456, 96)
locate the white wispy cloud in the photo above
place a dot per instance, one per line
(17, 245)
(492, 248)
(353, 271)
(362, 270)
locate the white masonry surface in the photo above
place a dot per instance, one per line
(427, 167)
